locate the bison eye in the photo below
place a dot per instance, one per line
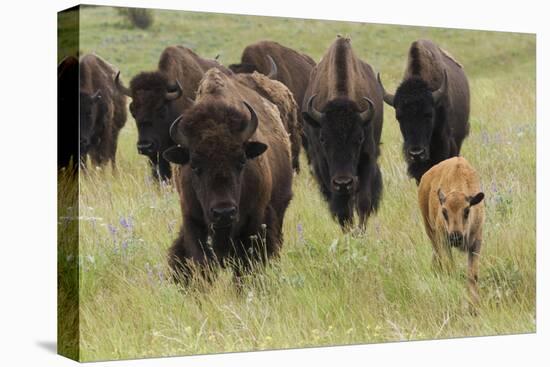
(445, 215)
(322, 139)
(466, 213)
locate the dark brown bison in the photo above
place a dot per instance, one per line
(343, 115)
(278, 94)
(292, 68)
(234, 177)
(432, 105)
(67, 113)
(159, 97)
(102, 111)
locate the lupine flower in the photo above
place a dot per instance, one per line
(126, 223)
(112, 230)
(300, 230)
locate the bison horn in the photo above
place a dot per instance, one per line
(177, 137)
(368, 114)
(252, 124)
(273, 72)
(176, 91)
(442, 89)
(388, 98)
(312, 111)
(96, 95)
(120, 87)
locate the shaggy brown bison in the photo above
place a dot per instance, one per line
(450, 199)
(432, 105)
(292, 68)
(159, 97)
(234, 178)
(67, 113)
(102, 111)
(278, 94)
(343, 115)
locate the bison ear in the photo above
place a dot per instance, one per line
(476, 199)
(253, 149)
(176, 154)
(310, 120)
(441, 196)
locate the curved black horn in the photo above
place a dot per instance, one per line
(442, 88)
(368, 114)
(388, 98)
(176, 93)
(273, 72)
(313, 113)
(252, 124)
(176, 136)
(120, 87)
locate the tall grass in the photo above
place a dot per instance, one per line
(327, 287)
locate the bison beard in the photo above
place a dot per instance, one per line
(233, 200)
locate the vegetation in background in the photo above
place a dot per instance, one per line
(327, 287)
(138, 17)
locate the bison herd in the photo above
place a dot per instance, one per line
(229, 138)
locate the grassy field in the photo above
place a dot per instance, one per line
(327, 288)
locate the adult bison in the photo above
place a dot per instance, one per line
(432, 105)
(343, 114)
(67, 113)
(159, 97)
(102, 111)
(234, 178)
(292, 68)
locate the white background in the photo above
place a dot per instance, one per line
(28, 182)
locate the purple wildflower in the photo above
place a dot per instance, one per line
(300, 230)
(485, 137)
(126, 223)
(112, 230)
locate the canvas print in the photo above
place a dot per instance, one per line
(241, 183)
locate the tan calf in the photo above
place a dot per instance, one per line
(450, 199)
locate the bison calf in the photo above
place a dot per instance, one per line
(450, 199)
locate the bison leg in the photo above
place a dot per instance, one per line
(189, 254)
(442, 255)
(165, 171)
(473, 272)
(160, 168)
(261, 243)
(368, 197)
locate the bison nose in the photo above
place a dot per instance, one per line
(342, 183)
(455, 238)
(417, 153)
(145, 147)
(224, 215)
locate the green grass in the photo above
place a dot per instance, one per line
(327, 288)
